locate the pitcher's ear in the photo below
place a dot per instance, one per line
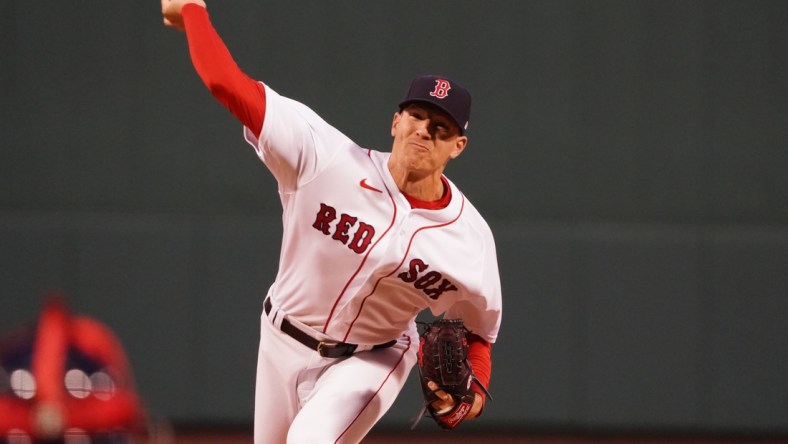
(394, 121)
(459, 147)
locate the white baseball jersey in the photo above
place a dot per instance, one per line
(357, 265)
(357, 262)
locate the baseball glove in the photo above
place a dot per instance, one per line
(443, 359)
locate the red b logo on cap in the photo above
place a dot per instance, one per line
(441, 90)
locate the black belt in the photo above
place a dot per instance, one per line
(325, 349)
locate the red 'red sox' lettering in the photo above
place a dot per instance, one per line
(361, 237)
(426, 282)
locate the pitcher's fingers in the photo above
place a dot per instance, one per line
(445, 397)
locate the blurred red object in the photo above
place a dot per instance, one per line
(64, 377)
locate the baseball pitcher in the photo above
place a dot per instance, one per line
(370, 239)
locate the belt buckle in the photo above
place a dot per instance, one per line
(324, 348)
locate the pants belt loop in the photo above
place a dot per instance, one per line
(275, 316)
(363, 347)
(277, 320)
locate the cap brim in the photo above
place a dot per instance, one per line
(405, 103)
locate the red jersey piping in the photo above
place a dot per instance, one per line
(404, 256)
(363, 261)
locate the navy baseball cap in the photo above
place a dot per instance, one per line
(443, 93)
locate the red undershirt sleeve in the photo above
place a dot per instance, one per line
(242, 95)
(479, 355)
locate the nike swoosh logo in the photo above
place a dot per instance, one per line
(364, 184)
